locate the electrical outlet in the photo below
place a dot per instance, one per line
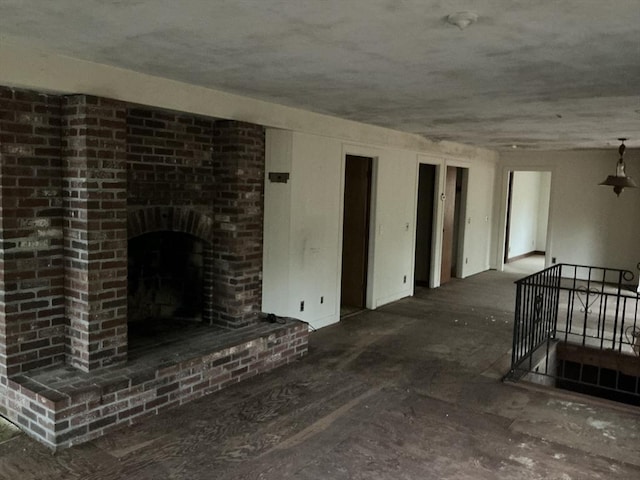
(466, 260)
(302, 305)
(404, 280)
(553, 259)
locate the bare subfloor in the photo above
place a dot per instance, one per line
(410, 391)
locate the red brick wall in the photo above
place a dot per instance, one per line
(169, 159)
(73, 169)
(212, 167)
(31, 273)
(238, 206)
(94, 163)
(79, 175)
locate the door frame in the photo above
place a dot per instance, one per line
(502, 219)
(449, 254)
(359, 209)
(507, 227)
(436, 239)
(462, 223)
(458, 256)
(441, 163)
(373, 154)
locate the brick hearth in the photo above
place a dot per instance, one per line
(80, 176)
(60, 406)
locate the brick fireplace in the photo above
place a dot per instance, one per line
(113, 213)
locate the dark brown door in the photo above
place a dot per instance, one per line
(355, 237)
(424, 224)
(448, 230)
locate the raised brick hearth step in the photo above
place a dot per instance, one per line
(64, 406)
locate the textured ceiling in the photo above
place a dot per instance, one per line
(533, 73)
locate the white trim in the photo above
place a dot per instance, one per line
(436, 225)
(461, 254)
(374, 155)
(503, 199)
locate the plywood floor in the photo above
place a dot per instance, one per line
(410, 391)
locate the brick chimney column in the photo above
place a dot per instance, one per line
(95, 230)
(31, 273)
(238, 166)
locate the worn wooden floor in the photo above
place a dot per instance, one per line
(411, 391)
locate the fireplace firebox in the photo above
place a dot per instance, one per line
(165, 277)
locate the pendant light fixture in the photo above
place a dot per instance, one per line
(620, 181)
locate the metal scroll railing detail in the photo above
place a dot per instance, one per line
(590, 308)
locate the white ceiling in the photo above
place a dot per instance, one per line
(533, 73)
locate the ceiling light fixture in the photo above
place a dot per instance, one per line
(462, 19)
(620, 181)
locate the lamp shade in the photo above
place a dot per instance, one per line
(616, 181)
(620, 181)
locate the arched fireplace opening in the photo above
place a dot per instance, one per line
(165, 286)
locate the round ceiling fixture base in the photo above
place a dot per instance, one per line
(462, 19)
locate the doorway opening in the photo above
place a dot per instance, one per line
(355, 233)
(453, 224)
(527, 217)
(424, 225)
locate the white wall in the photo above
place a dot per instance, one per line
(479, 217)
(314, 227)
(394, 209)
(529, 212)
(302, 227)
(588, 224)
(315, 204)
(277, 207)
(316, 208)
(524, 213)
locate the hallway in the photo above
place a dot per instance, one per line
(410, 391)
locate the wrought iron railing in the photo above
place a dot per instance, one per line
(588, 308)
(536, 313)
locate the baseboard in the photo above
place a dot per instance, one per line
(524, 255)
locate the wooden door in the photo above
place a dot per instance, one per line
(355, 236)
(424, 224)
(449, 224)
